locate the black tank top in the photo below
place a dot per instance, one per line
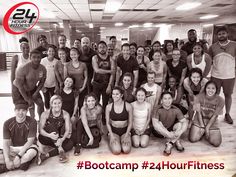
(54, 124)
(123, 116)
(102, 64)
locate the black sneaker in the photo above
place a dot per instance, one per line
(3, 168)
(77, 149)
(62, 157)
(25, 166)
(228, 119)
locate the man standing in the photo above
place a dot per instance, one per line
(126, 63)
(223, 53)
(192, 39)
(28, 82)
(113, 41)
(19, 135)
(103, 77)
(86, 57)
(43, 48)
(62, 45)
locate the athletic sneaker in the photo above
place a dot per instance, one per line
(62, 157)
(25, 166)
(179, 146)
(77, 149)
(228, 119)
(168, 148)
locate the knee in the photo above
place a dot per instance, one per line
(144, 143)
(193, 139)
(177, 126)
(215, 143)
(126, 149)
(116, 150)
(135, 143)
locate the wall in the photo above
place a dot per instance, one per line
(119, 32)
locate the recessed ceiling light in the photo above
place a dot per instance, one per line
(90, 25)
(147, 24)
(119, 24)
(188, 6)
(134, 26)
(112, 6)
(102, 27)
(208, 17)
(36, 27)
(207, 25)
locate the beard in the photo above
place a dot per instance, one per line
(222, 39)
(102, 52)
(85, 49)
(192, 39)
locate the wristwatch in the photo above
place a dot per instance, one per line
(18, 155)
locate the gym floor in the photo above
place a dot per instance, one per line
(200, 151)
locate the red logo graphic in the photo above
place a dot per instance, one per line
(21, 18)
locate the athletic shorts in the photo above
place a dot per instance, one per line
(226, 84)
(146, 132)
(19, 99)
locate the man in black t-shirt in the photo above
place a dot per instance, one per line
(19, 135)
(192, 39)
(126, 63)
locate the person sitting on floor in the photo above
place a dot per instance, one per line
(208, 106)
(169, 122)
(91, 116)
(19, 134)
(54, 131)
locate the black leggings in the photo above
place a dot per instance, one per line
(47, 95)
(77, 131)
(66, 145)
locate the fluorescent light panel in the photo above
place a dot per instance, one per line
(118, 24)
(112, 6)
(210, 16)
(188, 6)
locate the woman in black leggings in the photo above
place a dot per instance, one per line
(54, 131)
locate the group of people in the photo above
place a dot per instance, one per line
(126, 94)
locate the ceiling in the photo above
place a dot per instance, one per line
(130, 11)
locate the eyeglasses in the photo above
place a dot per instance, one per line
(176, 54)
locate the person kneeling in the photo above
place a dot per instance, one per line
(19, 135)
(169, 122)
(54, 130)
(207, 107)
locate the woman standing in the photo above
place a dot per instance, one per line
(168, 50)
(50, 85)
(77, 70)
(160, 68)
(20, 59)
(208, 106)
(199, 59)
(54, 131)
(143, 63)
(156, 47)
(176, 67)
(119, 116)
(91, 116)
(60, 68)
(141, 118)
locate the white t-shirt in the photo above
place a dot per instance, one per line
(51, 78)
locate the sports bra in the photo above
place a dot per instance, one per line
(123, 116)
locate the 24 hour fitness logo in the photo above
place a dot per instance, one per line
(21, 18)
